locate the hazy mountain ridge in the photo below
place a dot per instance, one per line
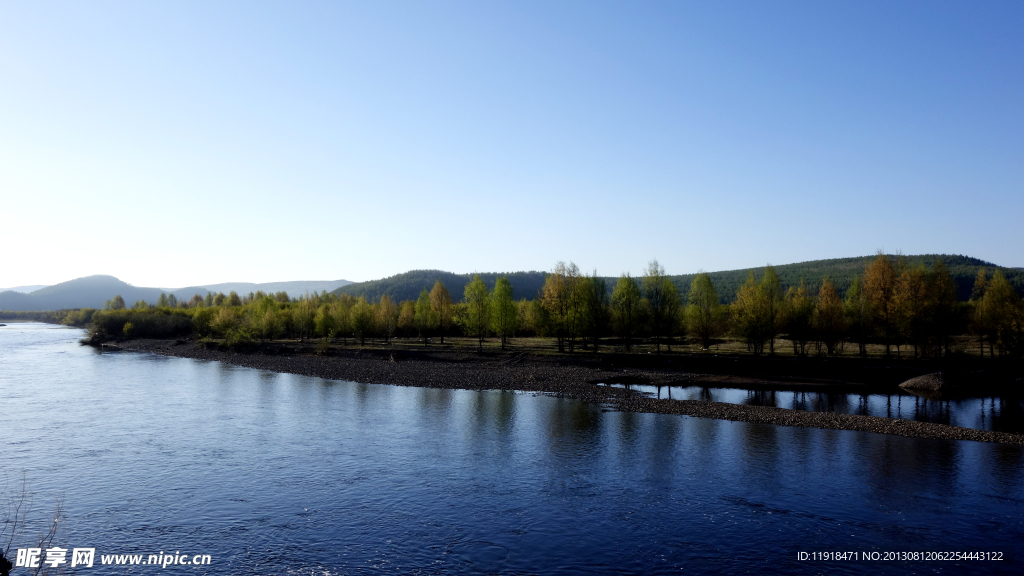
(93, 291)
(23, 289)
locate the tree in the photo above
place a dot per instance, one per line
(172, 302)
(323, 322)
(441, 303)
(1003, 304)
(829, 318)
(362, 319)
(387, 317)
(594, 294)
(561, 297)
(653, 287)
(140, 305)
(673, 316)
(196, 301)
(424, 317)
(748, 315)
(478, 309)
(859, 315)
(407, 317)
(116, 303)
(234, 300)
(342, 316)
(880, 279)
(981, 320)
(799, 318)
(945, 307)
(770, 292)
(911, 303)
(703, 312)
(208, 300)
(305, 317)
(161, 302)
(503, 310)
(626, 304)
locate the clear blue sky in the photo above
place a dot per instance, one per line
(178, 143)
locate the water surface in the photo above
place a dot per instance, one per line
(278, 474)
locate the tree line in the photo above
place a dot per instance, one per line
(904, 308)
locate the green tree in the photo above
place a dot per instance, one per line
(773, 305)
(748, 315)
(562, 299)
(116, 303)
(478, 309)
(829, 318)
(653, 290)
(799, 317)
(596, 314)
(981, 320)
(161, 302)
(425, 318)
(234, 300)
(503, 310)
(880, 279)
(208, 300)
(859, 316)
(362, 319)
(911, 305)
(407, 317)
(323, 323)
(1003, 303)
(703, 312)
(172, 302)
(626, 308)
(387, 317)
(441, 303)
(946, 310)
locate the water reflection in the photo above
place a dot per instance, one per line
(1002, 414)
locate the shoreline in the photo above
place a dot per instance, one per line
(565, 377)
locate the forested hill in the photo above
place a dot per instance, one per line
(842, 271)
(407, 286)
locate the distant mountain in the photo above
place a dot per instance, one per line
(88, 292)
(407, 286)
(840, 270)
(24, 289)
(294, 289)
(94, 291)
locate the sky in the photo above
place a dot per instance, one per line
(188, 143)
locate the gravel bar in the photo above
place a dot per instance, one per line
(576, 378)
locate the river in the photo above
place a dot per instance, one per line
(281, 474)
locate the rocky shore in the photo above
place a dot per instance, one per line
(570, 377)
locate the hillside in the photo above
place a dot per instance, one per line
(841, 270)
(88, 292)
(407, 286)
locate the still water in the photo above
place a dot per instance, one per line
(1000, 414)
(280, 474)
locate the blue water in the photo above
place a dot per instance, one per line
(281, 474)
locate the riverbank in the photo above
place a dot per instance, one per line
(579, 376)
